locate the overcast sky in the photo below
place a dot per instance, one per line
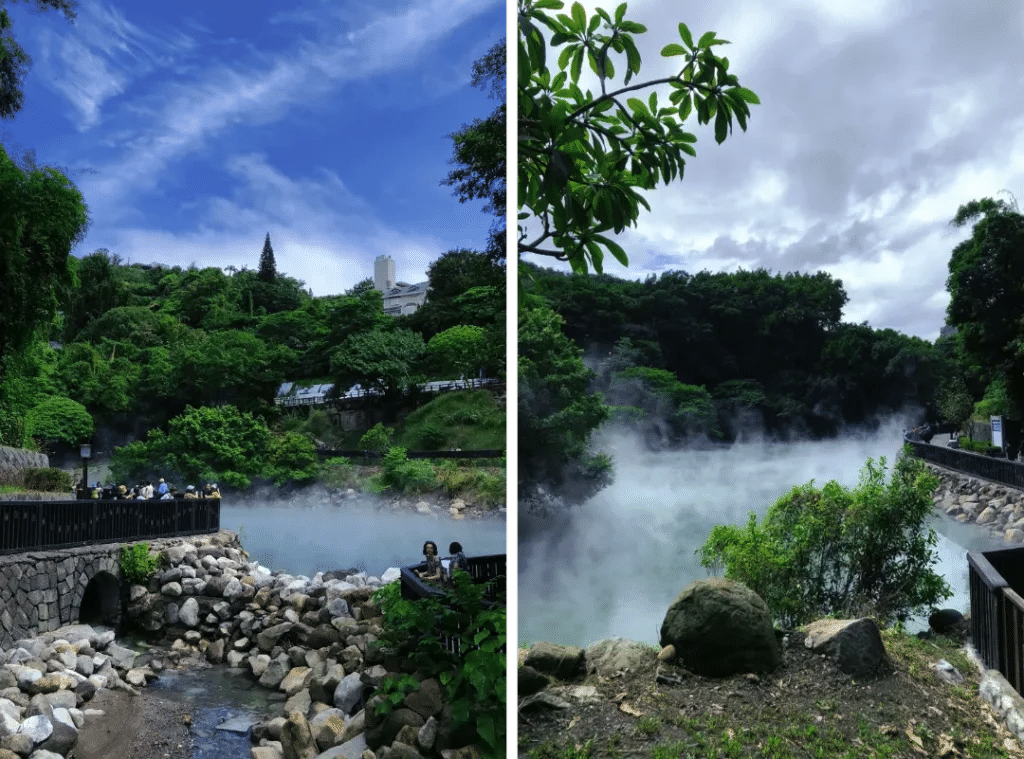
(195, 128)
(877, 120)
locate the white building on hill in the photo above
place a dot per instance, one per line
(399, 297)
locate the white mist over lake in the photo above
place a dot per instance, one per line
(305, 538)
(611, 567)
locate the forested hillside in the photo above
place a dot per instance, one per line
(146, 341)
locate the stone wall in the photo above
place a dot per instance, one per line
(972, 500)
(42, 590)
(13, 460)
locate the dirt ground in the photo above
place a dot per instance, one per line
(135, 727)
(806, 708)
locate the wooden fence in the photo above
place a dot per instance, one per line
(997, 611)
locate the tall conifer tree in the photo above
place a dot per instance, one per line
(268, 267)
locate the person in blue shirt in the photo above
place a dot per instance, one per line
(163, 487)
(457, 560)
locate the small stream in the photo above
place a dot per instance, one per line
(226, 703)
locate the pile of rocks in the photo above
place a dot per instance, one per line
(998, 508)
(309, 638)
(45, 682)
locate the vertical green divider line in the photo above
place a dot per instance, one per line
(510, 382)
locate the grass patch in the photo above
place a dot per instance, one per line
(467, 419)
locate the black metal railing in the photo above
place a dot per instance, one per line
(376, 457)
(998, 470)
(43, 525)
(997, 611)
(485, 570)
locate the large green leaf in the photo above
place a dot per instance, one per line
(684, 33)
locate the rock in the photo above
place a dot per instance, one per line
(988, 515)
(427, 734)
(267, 639)
(348, 693)
(299, 702)
(561, 662)
(531, 681)
(427, 700)
(352, 749)
(188, 612)
(947, 672)
(296, 738)
(947, 622)
(855, 644)
(296, 679)
(38, 728)
(607, 657)
(122, 658)
(215, 651)
(328, 728)
(388, 729)
(265, 752)
(273, 674)
(720, 628)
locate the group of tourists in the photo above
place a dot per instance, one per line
(147, 491)
(435, 570)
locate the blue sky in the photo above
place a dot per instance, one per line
(193, 129)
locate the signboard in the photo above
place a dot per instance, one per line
(997, 431)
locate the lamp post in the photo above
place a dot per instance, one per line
(86, 451)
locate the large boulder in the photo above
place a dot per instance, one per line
(855, 644)
(720, 628)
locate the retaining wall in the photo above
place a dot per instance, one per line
(972, 500)
(41, 591)
(13, 460)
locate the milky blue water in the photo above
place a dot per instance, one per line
(310, 537)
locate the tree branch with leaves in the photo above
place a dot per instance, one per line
(584, 160)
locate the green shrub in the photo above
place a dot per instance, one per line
(475, 681)
(377, 439)
(338, 472)
(292, 458)
(839, 551)
(59, 420)
(980, 446)
(137, 564)
(401, 475)
(433, 436)
(47, 480)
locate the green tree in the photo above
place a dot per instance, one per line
(59, 420)
(466, 287)
(291, 458)
(14, 61)
(462, 349)
(584, 159)
(557, 413)
(268, 268)
(100, 288)
(956, 404)
(379, 360)
(361, 287)
(42, 216)
(833, 550)
(986, 288)
(202, 444)
(479, 150)
(688, 409)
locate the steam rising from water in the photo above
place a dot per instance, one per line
(611, 567)
(307, 536)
